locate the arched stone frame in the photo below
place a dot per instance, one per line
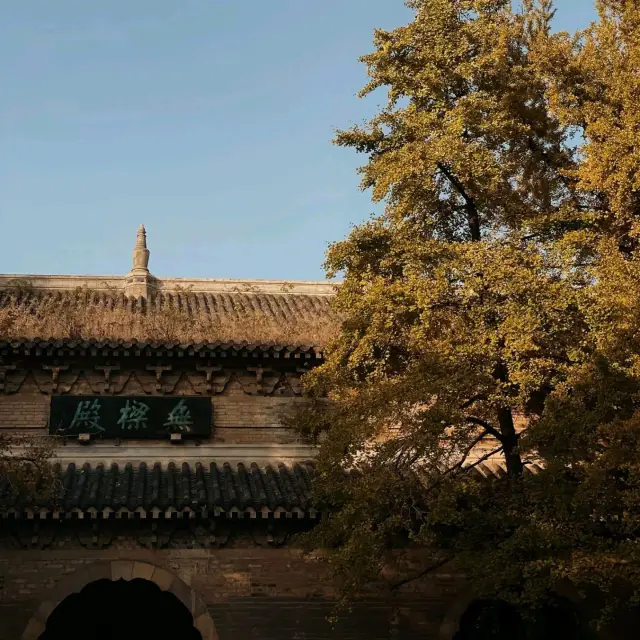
(127, 570)
(451, 621)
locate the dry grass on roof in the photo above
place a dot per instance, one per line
(84, 315)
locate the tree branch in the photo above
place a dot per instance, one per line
(458, 466)
(466, 453)
(421, 574)
(485, 425)
(470, 401)
(471, 208)
(481, 459)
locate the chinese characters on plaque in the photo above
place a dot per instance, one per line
(130, 417)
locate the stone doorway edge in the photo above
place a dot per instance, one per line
(126, 570)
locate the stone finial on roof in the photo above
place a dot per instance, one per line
(141, 242)
(141, 253)
(139, 280)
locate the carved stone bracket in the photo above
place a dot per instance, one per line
(212, 534)
(99, 536)
(163, 533)
(294, 383)
(160, 534)
(217, 378)
(269, 534)
(209, 371)
(259, 371)
(4, 369)
(115, 379)
(55, 377)
(107, 369)
(35, 535)
(159, 370)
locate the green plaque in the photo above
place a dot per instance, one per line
(134, 417)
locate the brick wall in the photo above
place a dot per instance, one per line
(28, 408)
(238, 416)
(251, 592)
(244, 419)
(266, 594)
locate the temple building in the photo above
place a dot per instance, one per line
(179, 492)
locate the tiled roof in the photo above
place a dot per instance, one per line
(152, 347)
(254, 316)
(136, 305)
(230, 305)
(204, 489)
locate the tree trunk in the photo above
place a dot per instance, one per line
(510, 443)
(474, 222)
(509, 438)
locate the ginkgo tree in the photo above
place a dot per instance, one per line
(492, 312)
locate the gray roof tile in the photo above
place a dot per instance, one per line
(196, 487)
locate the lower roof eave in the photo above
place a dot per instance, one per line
(61, 514)
(206, 489)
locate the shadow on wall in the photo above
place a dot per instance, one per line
(126, 610)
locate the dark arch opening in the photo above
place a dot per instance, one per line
(498, 620)
(126, 610)
(490, 619)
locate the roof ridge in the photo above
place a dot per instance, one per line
(53, 282)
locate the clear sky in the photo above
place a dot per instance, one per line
(207, 120)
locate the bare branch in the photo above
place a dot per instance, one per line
(482, 459)
(466, 453)
(485, 425)
(421, 574)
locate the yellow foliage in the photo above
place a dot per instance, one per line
(501, 281)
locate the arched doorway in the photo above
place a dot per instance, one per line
(490, 620)
(126, 610)
(116, 585)
(498, 620)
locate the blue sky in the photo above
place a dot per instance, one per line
(207, 120)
